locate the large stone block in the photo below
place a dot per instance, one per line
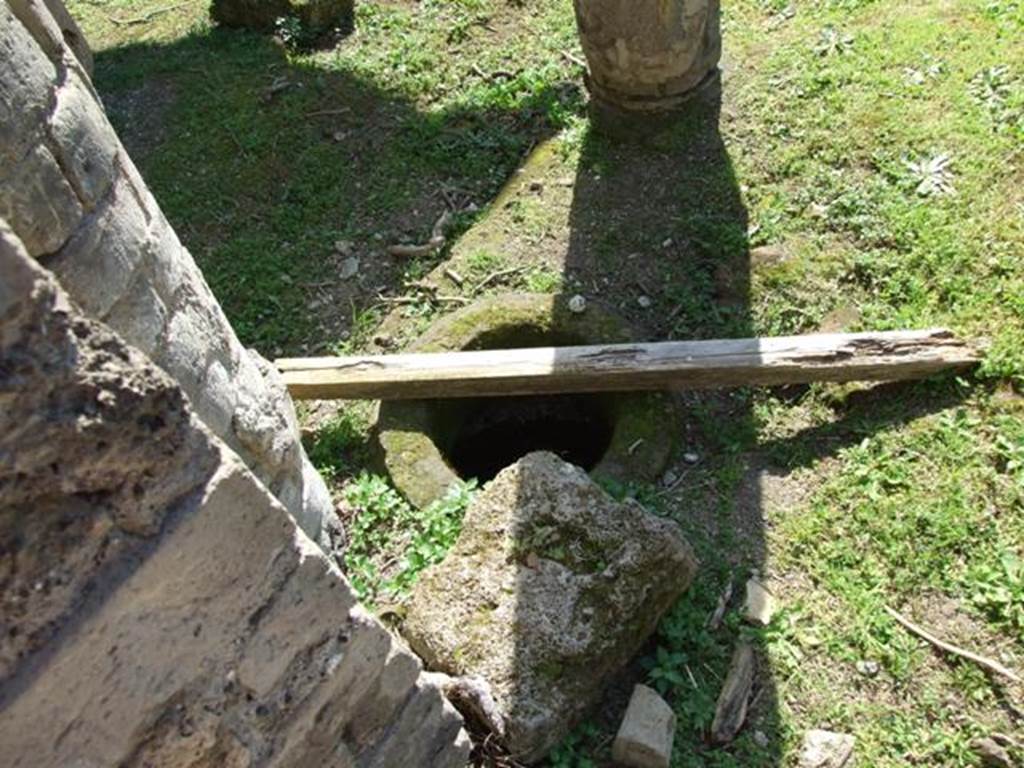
(140, 315)
(99, 262)
(86, 144)
(233, 641)
(551, 588)
(38, 203)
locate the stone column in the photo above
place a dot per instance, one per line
(158, 607)
(648, 56)
(77, 202)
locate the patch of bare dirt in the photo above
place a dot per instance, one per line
(140, 115)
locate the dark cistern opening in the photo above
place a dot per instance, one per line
(496, 432)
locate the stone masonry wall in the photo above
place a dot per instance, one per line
(76, 201)
(158, 608)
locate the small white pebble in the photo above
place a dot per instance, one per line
(577, 304)
(645, 302)
(667, 243)
(868, 668)
(691, 458)
(349, 268)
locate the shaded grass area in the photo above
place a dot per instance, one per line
(263, 160)
(877, 149)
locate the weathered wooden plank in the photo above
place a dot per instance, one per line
(886, 356)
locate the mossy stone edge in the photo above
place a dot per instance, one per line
(407, 431)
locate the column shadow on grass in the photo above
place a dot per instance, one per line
(658, 223)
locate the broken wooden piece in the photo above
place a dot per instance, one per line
(731, 710)
(723, 602)
(886, 356)
(435, 243)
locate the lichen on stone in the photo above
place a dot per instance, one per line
(551, 587)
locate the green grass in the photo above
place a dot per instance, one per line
(390, 542)
(875, 146)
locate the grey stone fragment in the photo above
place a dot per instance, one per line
(759, 605)
(86, 144)
(99, 262)
(38, 203)
(826, 749)
(551, 587)
(645, 737)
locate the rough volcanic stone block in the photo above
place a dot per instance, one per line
(551, 587)
(168, 611)
(94, 440)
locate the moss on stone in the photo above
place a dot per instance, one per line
(413, 435)
(547, 629)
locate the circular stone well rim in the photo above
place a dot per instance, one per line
(407, 431)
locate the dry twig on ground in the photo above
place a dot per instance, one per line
(435, 243)
(146, 17)
(982, 661)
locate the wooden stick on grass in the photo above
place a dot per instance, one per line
(986, 663)
(886, 356)
(146, 17)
